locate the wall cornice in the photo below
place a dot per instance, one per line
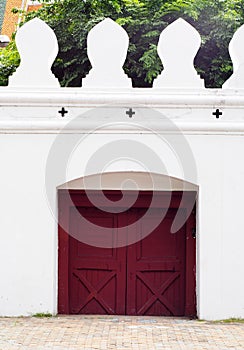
(37, 111)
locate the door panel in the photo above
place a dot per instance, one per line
(155, 270)
(96, 275)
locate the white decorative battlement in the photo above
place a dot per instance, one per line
(38, 47)
(236, 81)
(177, 47)
(107, 45)
(35, 103)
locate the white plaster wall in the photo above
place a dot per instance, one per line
(233, 223)
(220, 241)
(27, 231)
(28, 249)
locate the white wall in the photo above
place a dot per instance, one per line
(30, 121)
(28, 232)
(220, 241)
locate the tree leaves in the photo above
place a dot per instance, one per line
(71, 20)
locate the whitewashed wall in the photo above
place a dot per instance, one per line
(30, 123)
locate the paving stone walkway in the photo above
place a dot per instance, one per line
(122, 332)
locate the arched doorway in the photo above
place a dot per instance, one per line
(132, 273)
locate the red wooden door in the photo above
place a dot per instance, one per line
(96, 275)
(156, 269)
(155, 276)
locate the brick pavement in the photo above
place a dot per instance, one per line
(122, 332)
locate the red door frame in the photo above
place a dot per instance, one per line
(71, 198)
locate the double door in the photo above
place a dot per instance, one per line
(143, 278)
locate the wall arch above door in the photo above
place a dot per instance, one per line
(145, 182)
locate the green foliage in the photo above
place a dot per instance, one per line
(233, 320)
(228, 320)
(213, 60)
(9, 61)
(71, 20)
(42, 315)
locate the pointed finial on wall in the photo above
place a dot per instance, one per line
(177, 47)
(38, 48)
(107, 45)
(236, 50)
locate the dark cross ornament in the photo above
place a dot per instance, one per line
(217, 114)
(63, 111)
(130, 113)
